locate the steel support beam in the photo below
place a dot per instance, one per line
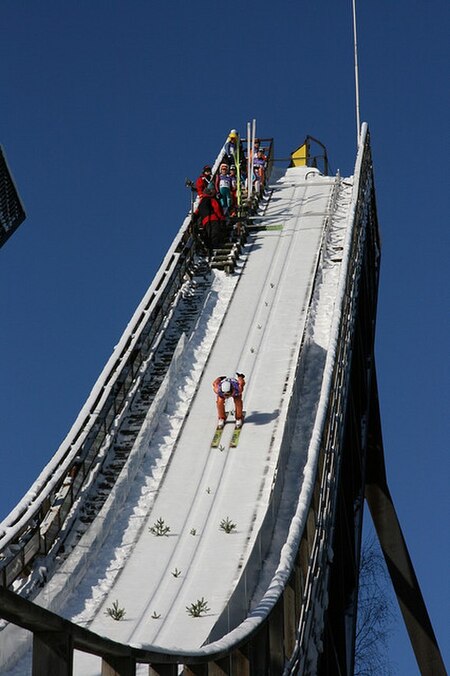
(395, 551)
(118, 666)
(52, 653)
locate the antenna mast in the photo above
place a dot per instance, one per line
(355, 44)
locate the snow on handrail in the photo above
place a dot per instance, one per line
(338, 362)
(67, 451)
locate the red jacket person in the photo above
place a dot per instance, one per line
(225, 388)
(203, 180)
(212, 220)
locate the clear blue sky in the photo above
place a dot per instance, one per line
(106, 107)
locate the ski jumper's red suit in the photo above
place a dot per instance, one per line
(229, 387)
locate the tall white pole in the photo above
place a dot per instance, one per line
(249, 160)
(253, 148)
(355, 43)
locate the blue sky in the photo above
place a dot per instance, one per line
(106, 107)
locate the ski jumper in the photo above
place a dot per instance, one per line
(237, 387)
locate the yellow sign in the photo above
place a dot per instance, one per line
(299, 157)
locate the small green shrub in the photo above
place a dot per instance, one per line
(115, 612)
(198, 609)
(227, 525)
(159, 528)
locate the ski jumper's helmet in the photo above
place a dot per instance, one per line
(225, 386)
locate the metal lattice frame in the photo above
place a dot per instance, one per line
(12, 213)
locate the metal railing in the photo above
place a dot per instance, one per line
(333, 430)
(12, 212)
(32, 527)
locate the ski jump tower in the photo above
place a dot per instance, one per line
(273, 588)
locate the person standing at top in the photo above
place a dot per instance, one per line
(224, 388)
(203, 180)
(235, 155)
(231, 148)
(223, 187)
(257, 148)
(212, 219)
(259, 170)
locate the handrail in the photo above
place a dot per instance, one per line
(331, 437)
(36, 525)
(97, 395)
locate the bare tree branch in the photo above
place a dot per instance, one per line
(375, 614)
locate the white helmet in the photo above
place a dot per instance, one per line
(225, 386)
